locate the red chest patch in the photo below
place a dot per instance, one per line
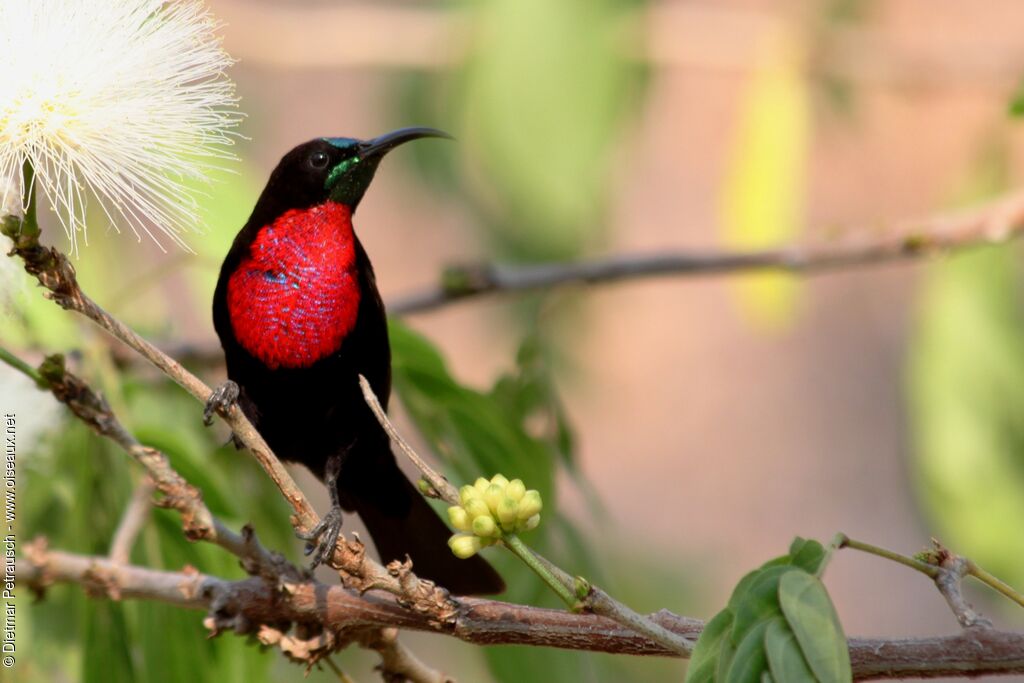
(295, 297)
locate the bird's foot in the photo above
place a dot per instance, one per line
(322, 538)
(221, 400)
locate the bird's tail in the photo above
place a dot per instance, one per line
(402, 523)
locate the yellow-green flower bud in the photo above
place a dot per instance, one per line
(467, 493)
(484, 526)
(530, 505)
(493, 496)
(481, 484)
(459, 518)
(477, 508)
(515, 489)
(531, 523)
(500, 480)
(464, 546)
(507, 512)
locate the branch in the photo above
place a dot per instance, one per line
(988, 224)
(947, 570)
(358, 571)
(239, 605)
(132, 522)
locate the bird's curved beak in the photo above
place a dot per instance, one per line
(381, 145)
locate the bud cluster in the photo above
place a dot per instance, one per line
(489, 509)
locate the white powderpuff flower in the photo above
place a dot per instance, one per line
(120, 101)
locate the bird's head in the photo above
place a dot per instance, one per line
(335, 169)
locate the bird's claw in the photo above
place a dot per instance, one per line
(221, 400)
(322, 538)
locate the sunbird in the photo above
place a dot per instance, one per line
(299, 318)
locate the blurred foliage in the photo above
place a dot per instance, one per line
(763, 195)
(538, 105)
(779, 625)
(966, 389)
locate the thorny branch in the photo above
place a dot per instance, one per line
(319, 608)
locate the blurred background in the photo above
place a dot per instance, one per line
(684, 429)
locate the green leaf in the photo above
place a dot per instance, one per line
(750, 660)
(704, 659)
(759, 602)
(809, 555)
(785, 658)
(814, 622)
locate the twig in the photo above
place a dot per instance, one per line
(929, 570)
(178, 494)
(398, 663)
(556, 578)
(988, 224)
(947, 570)
(994, 583)
(444, 488)
(486, 622)
(520, 550)
(132, 521)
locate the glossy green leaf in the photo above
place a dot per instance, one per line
(813, 620)
(704, 659)
(785, 658)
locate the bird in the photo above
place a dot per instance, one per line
(299, 317)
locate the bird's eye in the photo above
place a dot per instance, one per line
(319, 160)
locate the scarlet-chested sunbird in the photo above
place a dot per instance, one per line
(300, 318)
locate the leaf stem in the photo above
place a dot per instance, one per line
(524, 553)
(844, 541)
(994, 583)
(23, 367)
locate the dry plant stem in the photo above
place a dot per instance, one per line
(398, 663)
(485, 622)
(136, 513)
(556, 578)
(444, 488)
(988, 224)
(178, 494)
